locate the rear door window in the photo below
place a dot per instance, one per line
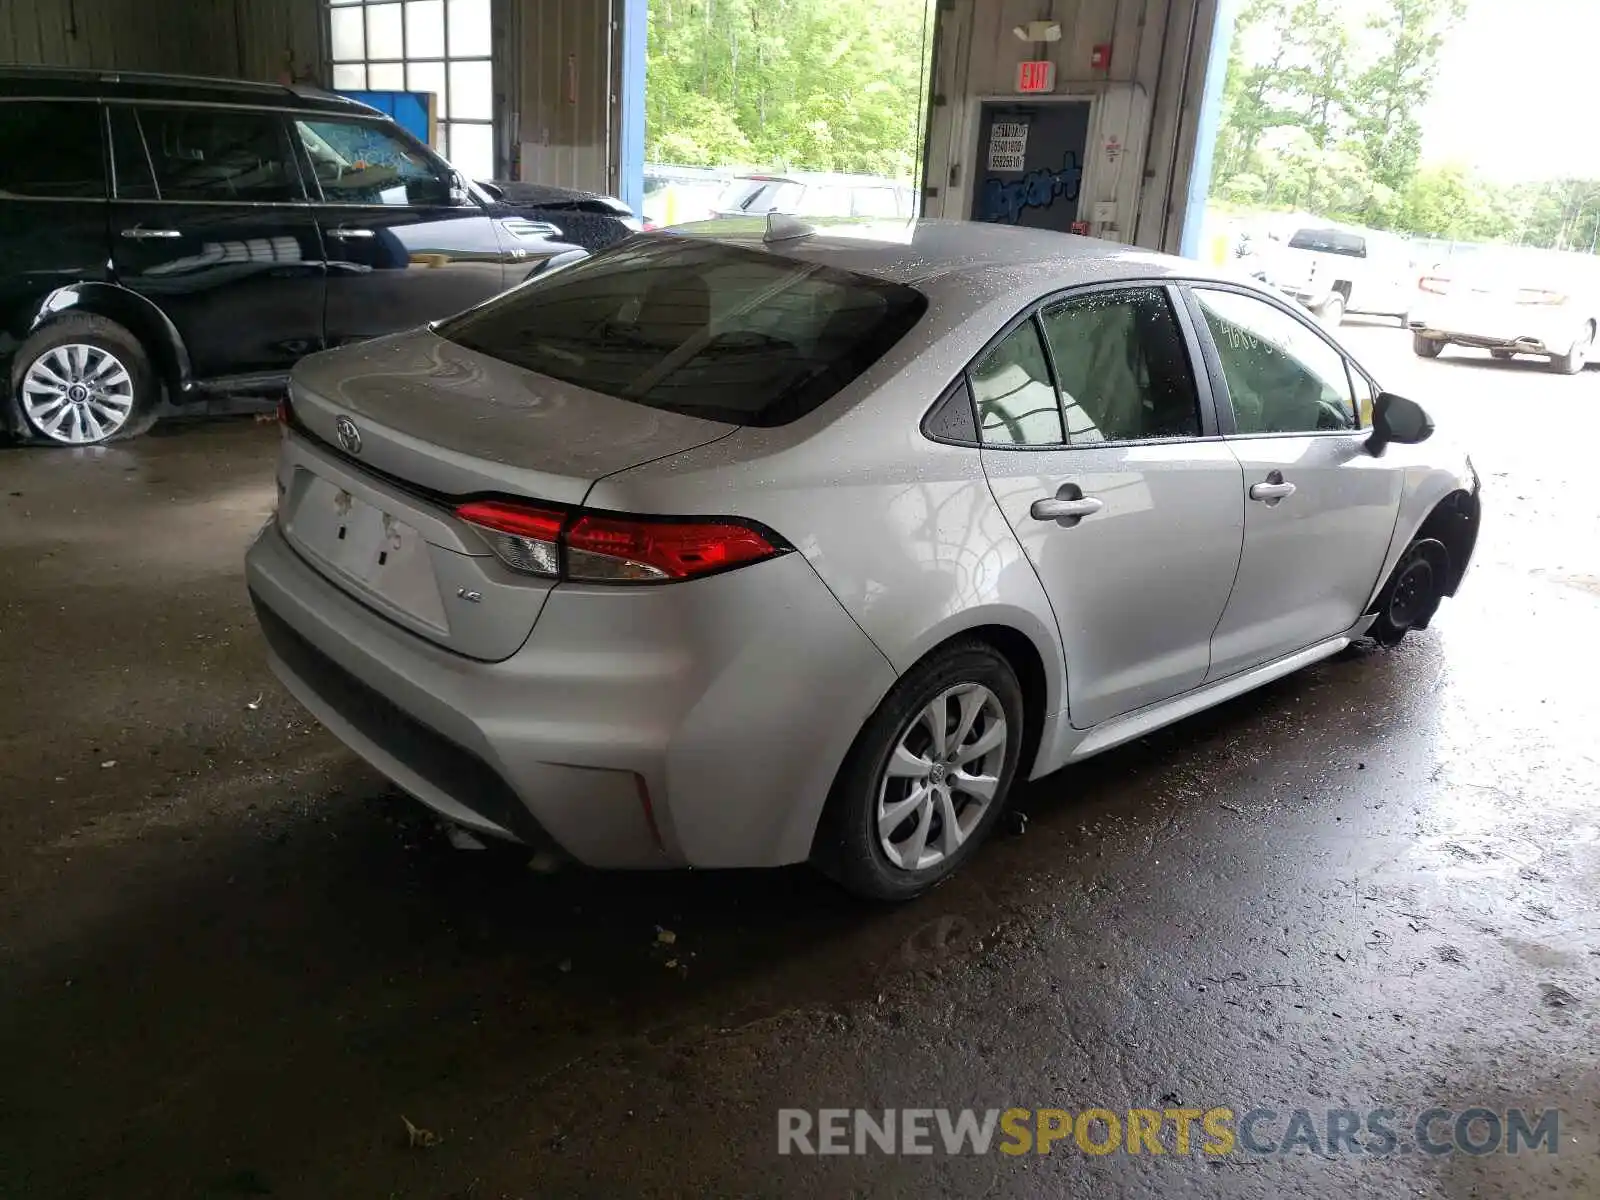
(697, 328)
(1122, 368)
(220, 154)
(51, 150)
(130, 164)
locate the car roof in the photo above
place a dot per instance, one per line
(966, 262)
(64, 83)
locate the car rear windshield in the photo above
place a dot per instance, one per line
(697, 328)
(1329, 241)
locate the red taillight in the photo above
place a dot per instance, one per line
(1438, 285)
(285, 413)
(608, 549)
(616, 549)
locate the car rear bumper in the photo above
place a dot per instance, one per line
(695, 724)
(1522, 331)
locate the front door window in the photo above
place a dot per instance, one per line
(1282, 376)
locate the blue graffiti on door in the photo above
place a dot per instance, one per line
(1004, 200)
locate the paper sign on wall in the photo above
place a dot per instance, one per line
(1008, 145)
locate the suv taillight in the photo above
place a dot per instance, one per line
(603, 548)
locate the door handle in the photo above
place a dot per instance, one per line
(1067, 507)
(345, 233)
(1272, 489)
(136, 232)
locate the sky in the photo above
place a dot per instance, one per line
(1519, 90)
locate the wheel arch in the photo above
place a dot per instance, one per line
(1454, 520)
(1027, 661)
(138, 315)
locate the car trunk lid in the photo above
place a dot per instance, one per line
(387, 438)
(451, 420)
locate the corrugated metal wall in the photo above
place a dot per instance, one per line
(253, 39)
(561, 87)
(283, 40)
(1142, 135)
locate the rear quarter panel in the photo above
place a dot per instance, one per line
(904, 531)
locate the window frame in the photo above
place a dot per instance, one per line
(308, 171)
(1204, 387)
(105, 153)
(137, 105)
(443, 59)
(1034, 320)
(1219, 380)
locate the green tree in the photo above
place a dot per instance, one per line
(1386, 97)
(801, 84)
(1250, 90)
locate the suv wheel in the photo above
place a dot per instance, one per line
(1425, 347)
(83, 380)
(928, 776)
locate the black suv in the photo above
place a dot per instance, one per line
(167, 241)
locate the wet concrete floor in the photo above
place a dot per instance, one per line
(233, 962)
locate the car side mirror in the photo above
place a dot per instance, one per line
(1396, 419)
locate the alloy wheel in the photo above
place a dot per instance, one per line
(941, 777)
(77, 394)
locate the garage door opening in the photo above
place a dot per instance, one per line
(1362, 168)
(814, 108)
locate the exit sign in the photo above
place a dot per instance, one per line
(1037, 76)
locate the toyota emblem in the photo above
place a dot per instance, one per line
(349, 436)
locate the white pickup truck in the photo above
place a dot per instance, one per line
(1335, 269)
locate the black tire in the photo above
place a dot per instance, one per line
(1425, 347)
(848, 845)
(1411, 596)
(1501, 355)
(109, 338)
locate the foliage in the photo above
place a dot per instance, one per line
(1322, 118)
(822, 85)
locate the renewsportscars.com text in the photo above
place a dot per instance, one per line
(1215, 1131)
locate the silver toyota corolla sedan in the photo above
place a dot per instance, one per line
(739, 546)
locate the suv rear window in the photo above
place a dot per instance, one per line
(697, 328)
(51, 149)
(1329, 241)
